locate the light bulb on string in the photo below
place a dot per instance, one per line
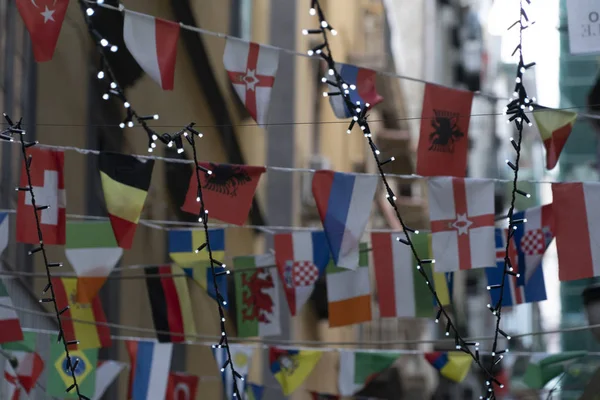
(103, 42)
(114, 48)
(100, 75)
(89, 12)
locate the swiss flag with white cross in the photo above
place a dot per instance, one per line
(462, 223)
(251, 69)
(48, 183)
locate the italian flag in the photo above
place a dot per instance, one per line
(93, 252)
(10, 328)
(555, 127)
(257, 296)
(357, 369)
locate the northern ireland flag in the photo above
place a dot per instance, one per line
(577, 225)
(532, 238)
(22, 377)
(301, 257)
(344, 202)
(363, 91)
(43, 19)
(533, 290)
(48, 184)
(153, 43)
(462, 223)
(251, 69)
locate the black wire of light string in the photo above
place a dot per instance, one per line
(203, 218)
(41, 248)
(516, 109)
(359, 117)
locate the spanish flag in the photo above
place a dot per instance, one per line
(80, 320)
(555, 127)
(125, 181)
(171, 305)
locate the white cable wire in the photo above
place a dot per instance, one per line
(296, 343)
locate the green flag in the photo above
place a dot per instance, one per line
(257, 296)
(542, 369)
(358, 368)
(59, 375)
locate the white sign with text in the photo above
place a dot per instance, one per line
(584, 26)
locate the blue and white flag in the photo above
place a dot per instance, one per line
(241, 357)
(532, 238)
(344, 202)
(533, 290)
(361, 83)
(3, 231)
(150, 364)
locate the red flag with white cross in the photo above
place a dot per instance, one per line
(48, 183)
(462, 223)
(43, 19)
(251, 69)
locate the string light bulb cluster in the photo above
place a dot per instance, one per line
(169, 139)
(48, 292)
(359, 117)
(516, 111)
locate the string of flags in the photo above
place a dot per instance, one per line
(150, 372)
(252, 70)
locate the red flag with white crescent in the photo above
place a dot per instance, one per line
(181, 386)
(43, 19)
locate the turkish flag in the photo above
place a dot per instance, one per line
(227, 191)
(43, 19)
(48, 183)
(181, 386)
(444, 137)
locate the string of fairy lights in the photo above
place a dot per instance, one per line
(516, 111)
(16, 129)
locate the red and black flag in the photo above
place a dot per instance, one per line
(125, 181)
(227, 191)
(171, 305)
(444, 137)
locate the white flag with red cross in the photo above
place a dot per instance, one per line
(251, 69)
(48, 182)
(462, 223)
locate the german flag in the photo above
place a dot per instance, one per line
(81, 319)
(171, 305)
(125, 181)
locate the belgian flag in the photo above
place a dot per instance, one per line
(125, 181)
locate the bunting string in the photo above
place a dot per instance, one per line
(86, 151)
(122, 9)
(248, 124)
(310, 344)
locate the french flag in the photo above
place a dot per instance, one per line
(299, 247)
(363, 82)
(344, 203)
(150, 365)
(153, 43)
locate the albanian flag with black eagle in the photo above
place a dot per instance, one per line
(125, 182)
(227, 191)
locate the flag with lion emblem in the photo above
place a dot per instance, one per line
(227, 191)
